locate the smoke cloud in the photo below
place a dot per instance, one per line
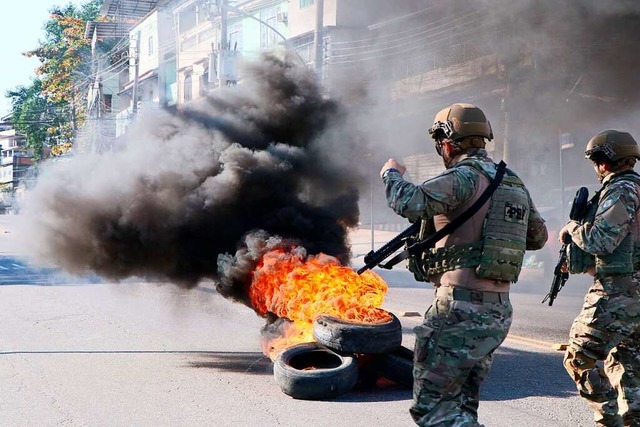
(262, 164)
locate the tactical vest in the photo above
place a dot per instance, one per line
(624, 260)
(499, 255)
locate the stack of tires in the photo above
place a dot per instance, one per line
(343, 352)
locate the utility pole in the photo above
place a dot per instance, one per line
(506, 145)
(318, 37)
(136, 72)
(223, 41)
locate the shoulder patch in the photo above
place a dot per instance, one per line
(606, 204)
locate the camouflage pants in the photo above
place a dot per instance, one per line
(453, 354)
(608, 330)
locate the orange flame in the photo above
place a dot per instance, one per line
(290, 286)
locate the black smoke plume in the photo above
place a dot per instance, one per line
(267, 163)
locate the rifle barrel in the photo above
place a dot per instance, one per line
(374, 258)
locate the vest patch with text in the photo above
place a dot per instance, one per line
(515, 212)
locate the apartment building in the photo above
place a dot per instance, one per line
(15, 161)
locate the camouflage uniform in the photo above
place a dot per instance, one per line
(608, 327)
(470, 317)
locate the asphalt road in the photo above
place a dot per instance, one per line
(82, 352)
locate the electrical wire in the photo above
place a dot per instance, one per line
(392, 37)
(416, 46)
(441, 30)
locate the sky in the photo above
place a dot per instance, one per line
(20, 31)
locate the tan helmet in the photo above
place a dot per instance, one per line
(614, 145)
(460, 121)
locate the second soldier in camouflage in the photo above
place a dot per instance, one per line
(603, 357)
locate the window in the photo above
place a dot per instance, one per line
(203, 13)
(150, 46)
(191, 16)
(268, 37)
(188, 87)
(107, 103)
(306, 3)
(235, 36)
(187, 19)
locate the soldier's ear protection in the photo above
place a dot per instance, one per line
(441, 131)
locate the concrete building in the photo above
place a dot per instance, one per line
(15, 161)
(203, 60)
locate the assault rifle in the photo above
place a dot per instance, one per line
(375, 258)
(560, 273)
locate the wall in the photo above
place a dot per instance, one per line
(146, 30)
(304, 20)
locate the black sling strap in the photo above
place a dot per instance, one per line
(431, 240)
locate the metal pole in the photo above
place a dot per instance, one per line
(136, 72)
(561, 177)
(223, 41)
(318, 37)
(371, 188)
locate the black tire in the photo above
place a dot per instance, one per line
(313, 372)
(397, 366)
(360, 338)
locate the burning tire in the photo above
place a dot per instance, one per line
(397, 366)
(361, 338)
(313, 372)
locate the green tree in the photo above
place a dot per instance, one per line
(34, 115)
(53, 107)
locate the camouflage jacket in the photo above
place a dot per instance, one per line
(615, 221)
(447, 192)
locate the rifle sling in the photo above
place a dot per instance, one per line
(457, 222)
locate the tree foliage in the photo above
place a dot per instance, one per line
(65, 53)
(33, 114)
(53, 107)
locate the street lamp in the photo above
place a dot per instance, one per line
(564, 142)
(369, 156)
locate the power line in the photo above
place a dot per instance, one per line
(426, 36)
(391, 36)
(416, 46)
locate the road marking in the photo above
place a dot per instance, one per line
(3, 268)
(546, 345)
(18, 266)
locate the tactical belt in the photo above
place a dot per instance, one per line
(475, 297)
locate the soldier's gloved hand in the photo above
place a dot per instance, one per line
(567, 230)
(393, 164)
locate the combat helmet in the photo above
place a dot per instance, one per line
(459, 121)
(614, 145)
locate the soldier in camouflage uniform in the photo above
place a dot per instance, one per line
(472, 268)
(603, 356)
